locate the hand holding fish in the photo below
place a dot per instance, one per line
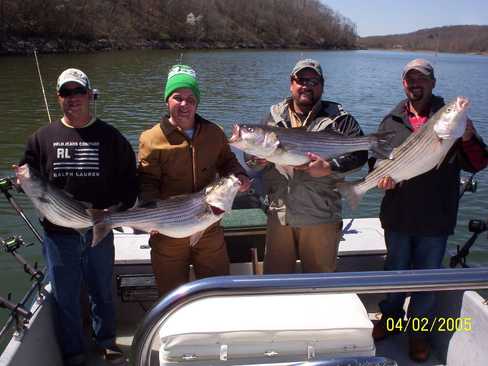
(386, 183)
(245, 183)
(317, 167)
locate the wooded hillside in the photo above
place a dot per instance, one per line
(82, 25)
(457, 38)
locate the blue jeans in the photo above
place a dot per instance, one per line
(70, 260)
(407, 252)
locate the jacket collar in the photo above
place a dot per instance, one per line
(401, 108)
(169, 129)
(399, 113)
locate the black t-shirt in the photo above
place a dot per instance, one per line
(95, 164)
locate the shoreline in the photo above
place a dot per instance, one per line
(16, 46)
(473, 53)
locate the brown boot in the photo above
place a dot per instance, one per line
(419, 348)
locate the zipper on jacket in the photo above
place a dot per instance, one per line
(193, 166)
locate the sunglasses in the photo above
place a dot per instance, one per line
(307, 81)
(65, 92)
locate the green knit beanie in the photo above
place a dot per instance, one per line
(179, 77)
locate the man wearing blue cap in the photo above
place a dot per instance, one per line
(182, 154)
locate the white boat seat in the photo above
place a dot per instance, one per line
(260, 327)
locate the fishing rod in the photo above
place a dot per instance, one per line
(42, 86)
(11, 245)
(16, 308)
(17, 313)
(6, 184)
(476, 227)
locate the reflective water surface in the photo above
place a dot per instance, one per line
(237, 86)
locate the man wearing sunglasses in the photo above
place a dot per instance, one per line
(304, 217)
(94, 163)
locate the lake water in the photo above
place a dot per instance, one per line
(237, 86)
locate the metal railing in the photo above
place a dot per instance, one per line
(350, 282)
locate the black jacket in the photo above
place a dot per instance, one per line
(427, 204)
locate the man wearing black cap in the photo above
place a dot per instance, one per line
(304, 217)
(94, 163)
(418, 215)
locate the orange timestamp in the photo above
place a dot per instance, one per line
(429, 325)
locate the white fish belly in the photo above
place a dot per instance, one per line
(282, 157)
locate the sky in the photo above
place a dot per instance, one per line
(380, 17)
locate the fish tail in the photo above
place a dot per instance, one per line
(381, 144)
(350, 192)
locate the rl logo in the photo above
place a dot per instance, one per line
(63, 153)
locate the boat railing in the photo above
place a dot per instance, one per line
(348, 282)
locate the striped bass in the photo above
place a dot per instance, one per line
(53, 203)
(289, 146)
(422, 151)
(178, 217)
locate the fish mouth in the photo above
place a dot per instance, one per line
(216, 210)
(236, 134)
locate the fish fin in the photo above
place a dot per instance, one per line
(114, 208)
(285, 170)
(349, 192)
(148, 204)
(381, 145)
(273, 140)
(195, 238)
(100, 231)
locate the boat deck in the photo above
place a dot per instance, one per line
(362, 249)
(362, 238)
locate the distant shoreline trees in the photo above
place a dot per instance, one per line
(85, 25)
(456, 38)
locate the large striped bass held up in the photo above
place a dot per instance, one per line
(178, 217)
(423, 150)
(52, 203)
(289, 146)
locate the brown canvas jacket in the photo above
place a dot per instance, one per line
(172, 164)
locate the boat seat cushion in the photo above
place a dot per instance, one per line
(290, 326)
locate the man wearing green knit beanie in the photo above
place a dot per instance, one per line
(179, 77)
(183, 154)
